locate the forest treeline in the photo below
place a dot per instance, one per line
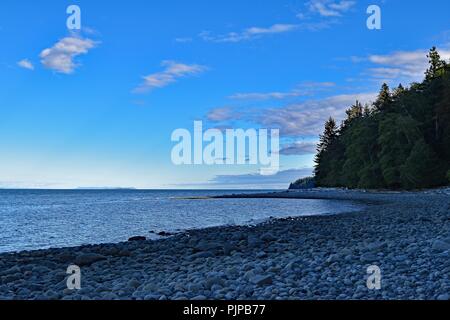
(401, 141)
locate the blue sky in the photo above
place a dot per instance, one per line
(96, 108)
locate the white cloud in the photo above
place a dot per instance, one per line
(222, 114)
(305, 118)
(322, 14)
(299, 148)
(90, 31)
(283, 178)
(265, 96)
(303, 89)
(172, 72)
(328, 8)
(183, 40)
(324, 8)
(280, 180)
(400, 66)
(248, 34)
(26, 64)
(276, 28)
(342, 6)
(60, 57)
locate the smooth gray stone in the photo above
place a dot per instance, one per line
(88, 258)
(260, 280)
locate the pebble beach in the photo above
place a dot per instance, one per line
(405, 234)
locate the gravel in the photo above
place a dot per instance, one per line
(407, 235)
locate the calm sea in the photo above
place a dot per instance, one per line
(38, 219)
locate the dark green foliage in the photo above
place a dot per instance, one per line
(436, 65)
(384, 100)
(329, 135)
(305, 183)
(402, 141)
(323, 149)
(443, 119)
(397, 135)
(360, 162)
(421, 169)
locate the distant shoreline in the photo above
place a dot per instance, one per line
(138, 189)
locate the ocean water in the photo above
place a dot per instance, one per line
(40, 219)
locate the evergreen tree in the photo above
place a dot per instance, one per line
(367, 110)
(355, 112)
(384, 99)
(398, 92)
(443, 117)
(421, 168)
(329, 134)
(326, 140)
(397, 136)
(436, 65)
(360, 158)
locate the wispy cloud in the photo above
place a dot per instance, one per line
(399, 66)
(266, 95)
(329, 8)
(26, 64)
(248, 34)
(303, 89)
(324, 8)
(90, 31)
(299, 148)
(301, 119)
(183, 40)
(322, 14)
(60, 57)
(307, 118)
(172, 72)
(222, 114)
(280, 180)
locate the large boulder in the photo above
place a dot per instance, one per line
(261, 280)
(439, 245)
(137, 238)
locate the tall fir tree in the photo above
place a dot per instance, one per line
(436, 65)
(329, 135)
(384, 99)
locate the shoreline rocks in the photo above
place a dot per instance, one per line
(406, 235)
(137, 238)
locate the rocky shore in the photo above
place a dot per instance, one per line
(407, 235)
